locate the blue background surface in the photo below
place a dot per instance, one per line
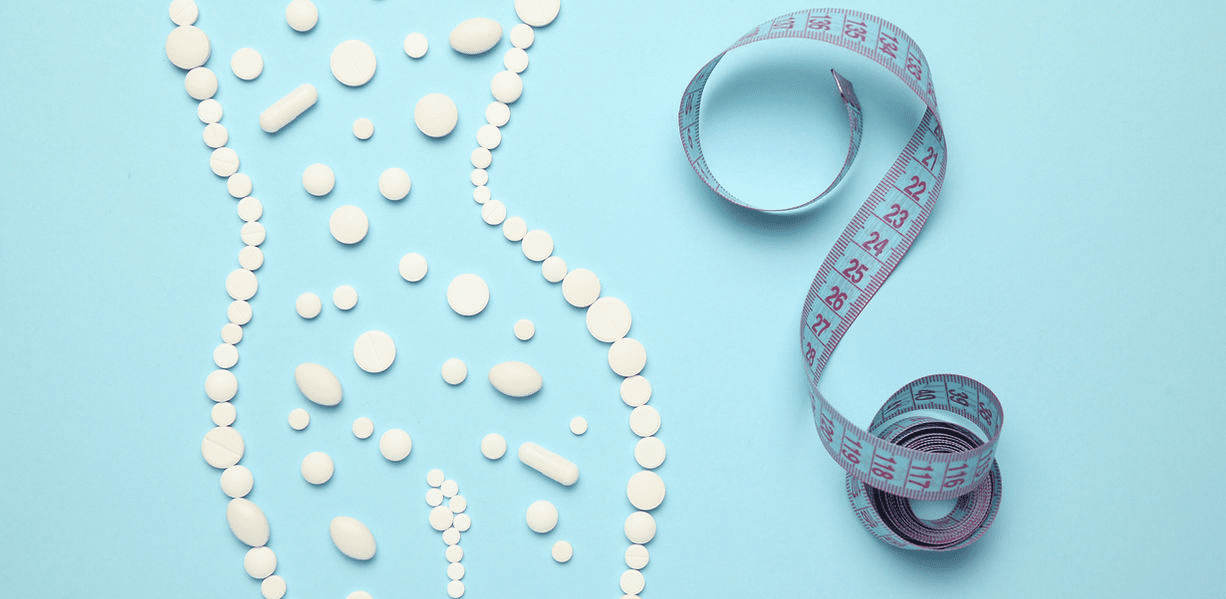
(1073, 264)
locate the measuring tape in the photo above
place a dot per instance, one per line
(936, 437)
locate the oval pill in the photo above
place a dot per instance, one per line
(290, 107)
(475, 36)
(352, 538)
(552, 465)
(247, 522)
(515, 379)
(318, 384)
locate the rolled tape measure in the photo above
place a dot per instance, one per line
(935, 438)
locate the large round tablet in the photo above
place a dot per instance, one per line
(374, 351)
(627, 357)
(187, 47)
(318, 179)
(580, 287)
(468, 295)
(413, 267)
(645, 490)
(395, 445)
(317, 468)
(353, 63)
(348, 224)
(608, 319)
(542, 517)
(436, 115)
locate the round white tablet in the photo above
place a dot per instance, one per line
(363, 427)
(301, 15)
(632, 582)
(608, 319)
(493, 446)
(481, 194)
(394, 184)
(201, 83)
(537, 245)
(308, 305)
(273, 587)
(223, 414)
(183, 12)
(215, 135)
(538, 13)
(252, 233)
(239, 312)
(435, 478)
(318, 180)
(434, 497)
(455, 589)
(359, 595)
(457, 504)
(451, 536)
(578, 425)
(436, 115)
(348, 224)
(209, 111)
(637, 556)
(645, 421)
(221, 385)
(222, 447)
(553, 269)
(493, 213)
(636, 391)
(479, 177)
(454, 554)
(187, 47)
(455, 571)
(640, 528)
(468, 295)
(562, 552)
(497, 114)
(462, 522)
(524, 329)
(514, 229)
(515, 60)
(251, 257)
(416, 45)
(580, 288)
(627, 356)
(353, 63)
(260, 562)
(481, 158)
(236, 481)
(247, 64)
(395, 445)
(488, 137)
(645, 490)
(374, 351)
(542, 517)
(441, 518)
(299, 419)
(317, 468)
(454, 371)
(522, 36)
(506, 87)
(224, 162)
(250, 209)
(413, 267)
(450, 488)
(649, 452)
(238, 185)
(225, 355)
(345, 297)
(363, 128)
(241, 284)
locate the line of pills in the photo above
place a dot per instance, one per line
(449, 520)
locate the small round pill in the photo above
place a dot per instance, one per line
(394, 184)
(562, 552)
(318, 180)
(493, 446)
(413, 267)
(247, 64)
(454, 371)
(299, 418)
(308, 305)
(416, 45)
(542, 516)
(578, 425)
(363, 128)
(363, 427)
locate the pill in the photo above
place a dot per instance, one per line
(200, 83)
(515, 60)
(468, 295)
(395, 445)
(497, 113)
(552, 465)
(318, 384)
(318, 179)
(247, 521)
(394, 184)
(374, 351)
(291, 106)
(187, 47)
(223, 414)
(522, 36)
(260, 562)
(640, 528)
(239, 186)
(454, 554)
(441, 518)
(515, 379)
(252, 233)
(537, 13)
(649, 452)
(215, 135)
(250, 257)
(434, 498)
(493, 213)
(524, 329)
(457, 504)
(221, 385)
(352, 538)
(627, 357)
(273, 587)
(493, 446)
(455, 589)
(416, 45)
(537, 245)
(481, 194)
(514, 228)
(608, 319)
(209, 111)
(299, 419)
(481, 158)
(479, 177)
(308, 305)
(632, 582)
(239, 312)
(578, 425)
(250, 209)
(222, 447)
(413, 267)
(454, 371)
(225, 355)
(317, 468)
(644, 421)
(553, 269)
(224, 162)
(506, 87)
(542, 516)
(363, 427)
(435, 478)
(183, 12)
(475, 36)
(489, 137)
(450, 488)
(301, 15)
(363, 128)
(645, 490)
(247, 64)
(562, 552)
(345, 297)
(462, 522)
(230, 332)
(359, 595)
(455, 571)
(636, 391)
(637, 556)
(451, 536)
(236, 481)
(348, 224)
(580, 288)
(436, 115)
(353, 63)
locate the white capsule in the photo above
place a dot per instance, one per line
(552, 465)
(352, 538)
(248, 522)
(284, 111)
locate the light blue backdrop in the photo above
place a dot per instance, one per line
(1073, 264)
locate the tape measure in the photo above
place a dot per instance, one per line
(936, 437)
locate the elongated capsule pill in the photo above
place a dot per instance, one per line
(285, 110)
(560, 469)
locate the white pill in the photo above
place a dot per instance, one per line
(239, 312)
(247, 64)
(436, 115)
(273, 587)
(649, 452)
(493, 446)
(363, 427)
(578, 425)
(580, 288)
(479, 177)
(552, 465)
(489, 137)
(345, 297)
(454, 371)
(318, 384)
(230, 332)
(435, 478)
(416, 45)
(225, 355)
(522, 36)
(553, 269)
(395, 445)
(236, 481)
(441, 518)
(507, 87)
(318, 180)
(374, 351)
(457, 504)
(352, 538)
(462, 522)
(200, 83)
(475, 36)
(562, 552)
(537, 13)
(317, 468)
(493, 213)
(348, 225)
(260, 562)
(187, 47)
(627, 356)
(645, 421)
(434, 498)
(608, 319)
(223, 414)
(632, 582)
(248, 522)
(454, 554)
(455, 571)
(640, 528)
(183, 12)
(215, 135)
(353, 63)
(252, 233)
(636, 391)
(537, 245)
(451, 536)
(221, 385)
(290, 107)
(209, 111)
(481, 194)
(413, 267)
(308, 305)
(542, 516)
(515, 60)
(637, 556)
(515, 379)
(301, 15)
(497, 114)
(224, 162)
(481, 158)
(222, 447)
(524, 329)
(359, 595)
(514, 228)
(468, 295)
(250, 209)
(455, 589)
(450, 488)
(394, 184)
(239, 185)
(299, 419)
(645, 490)
(363, 128)
(251, 257)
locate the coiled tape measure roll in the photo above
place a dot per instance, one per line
(907, 452)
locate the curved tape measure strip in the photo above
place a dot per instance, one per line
(906, 453)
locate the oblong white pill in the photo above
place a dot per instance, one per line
(236, 481)
(562, 552)
(515, 379)
(200, 83)
(348, 224)
(363, 128)
(345, 297)
(640, 528)
(247, 64)
(493, 212)
(291, 106)
(317, 468)
(248, 522)
(493, 446)
(632, 582)
(497, 113)
(522, 36)
(627, 356)
(308, 305)
(475, 36)
(581, 287)
(352, 538)
(413, 267)
(395, 184)
(636, 391)
(222, 447)
(353, 63)
(363, 427)
(645, 490)
(301, 15)
(183, 12)
(374, 351)
(436, 115)
(416, 45)
(649, 452)
(260, 562)
(645, 421)
(553, 269)
(187, 47)
(537, 13)
(318, 384)
(537, 245)
(507, 87)
(395, 445)
(454, 371)
(224, 162)
(637, 556)
(541, 516)
(318, 179)
(221, 385)
(552, 465)
(468, 295)
(608, 319)
(299, 419)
